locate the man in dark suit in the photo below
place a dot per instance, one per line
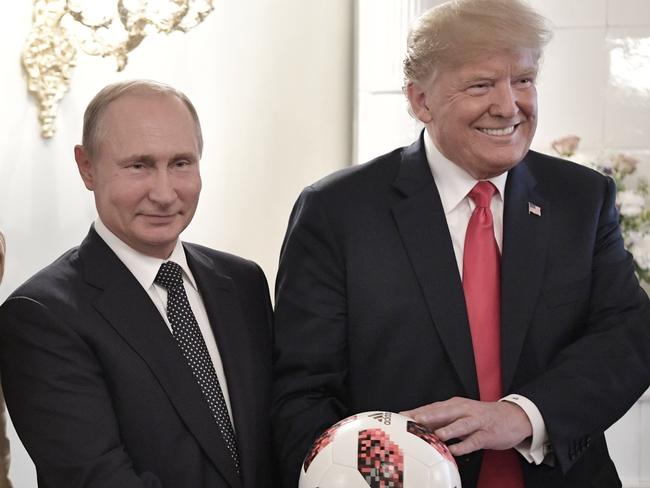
(136, 360)
(463, 270)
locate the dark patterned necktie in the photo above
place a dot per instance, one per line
(188, 336)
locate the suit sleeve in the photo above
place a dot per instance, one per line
(59, 402)
(593, 381)
(310, 336)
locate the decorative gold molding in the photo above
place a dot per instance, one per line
(99, 29)
(48, 60)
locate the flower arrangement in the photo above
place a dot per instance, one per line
(631, 198)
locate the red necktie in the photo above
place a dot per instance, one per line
(482, 287)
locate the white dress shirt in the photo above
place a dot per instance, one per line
(454, 183)
(145, 268)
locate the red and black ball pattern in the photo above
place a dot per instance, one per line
(380, 461)
(431, 439)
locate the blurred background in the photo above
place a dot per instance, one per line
(287, 92)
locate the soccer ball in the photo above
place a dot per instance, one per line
(379, 450)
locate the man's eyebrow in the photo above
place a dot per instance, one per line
(184, 155)
(490, 75)
(150, 160)
(478, 77)
(142, 158)
(527, 71)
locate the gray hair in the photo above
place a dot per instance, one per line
(458, 31)
(108, 94)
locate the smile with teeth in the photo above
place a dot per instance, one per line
(506, 131)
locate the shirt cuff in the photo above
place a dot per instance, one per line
(534, 448)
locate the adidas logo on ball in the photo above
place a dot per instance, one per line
(383, 417)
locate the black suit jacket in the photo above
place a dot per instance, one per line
(99, 391)
(370, 311)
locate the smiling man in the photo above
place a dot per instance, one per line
(135, 359)
(466, 281)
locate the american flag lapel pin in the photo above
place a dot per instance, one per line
(534, 209)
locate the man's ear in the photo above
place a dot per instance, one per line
(84, 165)
(417, 98)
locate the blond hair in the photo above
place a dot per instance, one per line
(459, 31)
(108, 94)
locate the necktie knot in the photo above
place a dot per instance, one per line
(482, 194)
(169, 275)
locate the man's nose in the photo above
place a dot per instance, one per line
(162, 189)
(504, 101)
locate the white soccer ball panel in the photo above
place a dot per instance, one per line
(416, 473)
(342, 477)
(346, 441)
(373, 449)
(317, 468)
(444, 475)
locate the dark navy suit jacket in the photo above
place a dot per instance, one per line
(99, 391)
(370, 311)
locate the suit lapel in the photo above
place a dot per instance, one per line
(525, 237)
(220, 299)
(423, 227)
(128, 309)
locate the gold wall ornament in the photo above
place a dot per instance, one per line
(98, 28)
(48, 60)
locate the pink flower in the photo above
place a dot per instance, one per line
(566, 146)
(625, 164)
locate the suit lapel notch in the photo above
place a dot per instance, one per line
(414, 172)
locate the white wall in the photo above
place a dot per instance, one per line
(272, 81)
(595, 83)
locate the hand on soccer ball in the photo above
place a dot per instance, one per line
(478, 425)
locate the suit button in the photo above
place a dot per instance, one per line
(467, 458)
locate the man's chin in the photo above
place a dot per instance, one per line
(157, 242)
(503, 161)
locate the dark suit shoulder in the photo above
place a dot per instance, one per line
(562, 175)
(222, 261)
(222, 266)
(54, 282)
(366, 177)
(56, 297)
(349, 195)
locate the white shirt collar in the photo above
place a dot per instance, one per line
(452, 181)
(144, 268)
